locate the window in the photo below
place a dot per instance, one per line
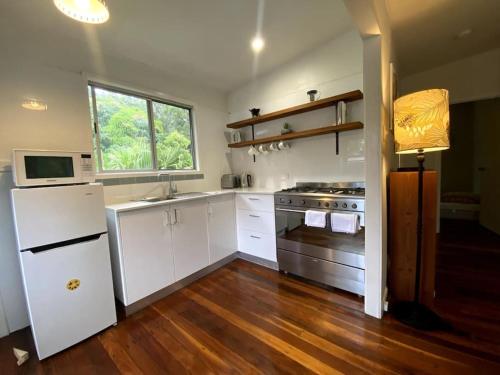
(134, 132)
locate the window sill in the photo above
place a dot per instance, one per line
(109, 175)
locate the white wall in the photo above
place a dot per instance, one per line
(333, 68)
(473, 78)
(372, 22)
(53, 73)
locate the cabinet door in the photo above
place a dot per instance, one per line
(146, 245)
(257, 244)
(190, 237)
(221, 227)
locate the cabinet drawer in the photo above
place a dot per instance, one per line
(257, 244)
(334, 274)
(256, 221)
(255, 202)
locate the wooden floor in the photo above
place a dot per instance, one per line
(468, 278)
(244, 318)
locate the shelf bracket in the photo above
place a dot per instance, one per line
(253, 139)
(337, 143)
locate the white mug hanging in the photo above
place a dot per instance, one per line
(274, 147)
(252, 151)
(263, 149)
(283, 145)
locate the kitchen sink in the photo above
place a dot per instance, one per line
(156, 199)
(192, 194)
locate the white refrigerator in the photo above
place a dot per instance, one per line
(63, 248)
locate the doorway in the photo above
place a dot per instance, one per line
(468, 254)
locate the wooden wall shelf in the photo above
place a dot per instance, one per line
(300, 134)
(318, 104)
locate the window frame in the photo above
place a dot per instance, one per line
(149, 108)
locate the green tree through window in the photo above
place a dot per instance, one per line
(122, 126)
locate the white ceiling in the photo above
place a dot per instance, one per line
(206, 41)
(425, 31)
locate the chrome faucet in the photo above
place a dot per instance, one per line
(172, 187)
(163, 186)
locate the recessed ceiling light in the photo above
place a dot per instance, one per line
(257, 44)
(463, 33)
(88, 11)
(34, 105)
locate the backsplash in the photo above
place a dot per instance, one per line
(308, 159)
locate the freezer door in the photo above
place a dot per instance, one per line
(54, 214)
(69, 292)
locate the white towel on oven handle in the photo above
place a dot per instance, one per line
(315, 219)
(345, 222)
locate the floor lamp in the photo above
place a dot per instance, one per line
(421, 124)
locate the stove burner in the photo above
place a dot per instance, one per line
(329, 190)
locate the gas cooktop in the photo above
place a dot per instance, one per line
(354, 189)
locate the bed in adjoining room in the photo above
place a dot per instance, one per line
(460, 205)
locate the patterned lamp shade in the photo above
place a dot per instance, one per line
(422, 122)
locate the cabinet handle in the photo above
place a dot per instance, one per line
(257, 237)
(254, 199)
(171, 220)
(253, 215)
(177, 216)
(166, 218)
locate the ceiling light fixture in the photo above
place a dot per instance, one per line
(34, 105)
(88, 11)
(257, 44)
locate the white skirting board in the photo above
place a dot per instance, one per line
(260, 261)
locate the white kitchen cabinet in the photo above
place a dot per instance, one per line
(190, 237)
(256, 225)
(146, 252)
(255, 202)
(258, 244)
(153, 246)
(258, 221)
(221, 227)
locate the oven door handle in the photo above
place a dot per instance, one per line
(290, 210)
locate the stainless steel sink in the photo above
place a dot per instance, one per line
(155, 199)
(192, 194)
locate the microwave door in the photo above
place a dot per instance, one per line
(48, 167)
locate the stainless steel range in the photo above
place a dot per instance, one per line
(319, 254)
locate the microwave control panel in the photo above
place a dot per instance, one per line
(87, 167)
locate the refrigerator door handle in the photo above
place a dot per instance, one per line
(39, 249)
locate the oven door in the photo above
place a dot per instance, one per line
(293, 235)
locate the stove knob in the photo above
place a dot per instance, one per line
(344, 205)
(327, 204)
(303, 202)
(354, 205)
(289, 201)
(319, 203)
(282, 200)
(335, 205)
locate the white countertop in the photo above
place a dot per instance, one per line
(254, 190)
(136, 205)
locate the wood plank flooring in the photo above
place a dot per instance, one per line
(468, 278)
(247, 319)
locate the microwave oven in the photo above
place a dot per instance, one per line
(44, 168)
